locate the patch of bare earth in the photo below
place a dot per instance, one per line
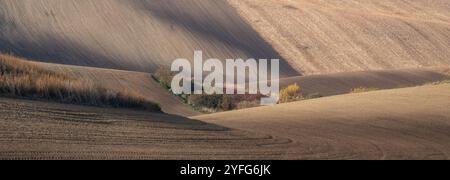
(409, 123)
(318, 37)
(37, 130)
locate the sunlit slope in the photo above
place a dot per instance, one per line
(129, 35)
(326, 36)
(409, 123)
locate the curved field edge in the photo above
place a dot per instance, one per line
(407, 123)
(138, 83)
(40, 130)
(143, 84)
(343, 83)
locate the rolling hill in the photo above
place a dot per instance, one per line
(38, 130)
(327, 47)
(143, 85)
(408, 123)
(318, 37)
(325, 85)
(138, 83)
(139, 35)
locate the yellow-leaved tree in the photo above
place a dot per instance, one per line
(290, 93)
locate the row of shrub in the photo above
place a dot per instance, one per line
(23, 79)
(206, 102)
(223, 102)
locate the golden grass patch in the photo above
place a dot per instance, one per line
(23, 79)
(290, 93)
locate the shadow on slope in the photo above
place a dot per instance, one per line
(128, 35)
(218, 21)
